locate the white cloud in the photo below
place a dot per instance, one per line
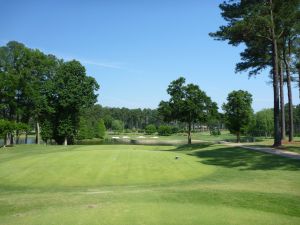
(100, 64)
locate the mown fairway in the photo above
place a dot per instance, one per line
(123, 184)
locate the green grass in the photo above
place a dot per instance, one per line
(292, 147)
(93, 166)
(132, 184)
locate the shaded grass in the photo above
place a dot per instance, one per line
(233, 157)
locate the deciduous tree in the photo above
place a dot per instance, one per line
(187, 104)
(238, 112)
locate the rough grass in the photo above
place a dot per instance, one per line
(209, 184)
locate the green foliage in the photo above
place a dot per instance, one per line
(263, 123)
(73, 91)
(150, 129)
(108, 121)
(238, 112)
(268, 30)
(214, 129)
(164, 130)
(46, 131)
(40, 88)
(187, 104)
(214, 124)
(23, 127)
(175, 130)
(6, 127)
(89, 122)
(101, 129)
(11, 127)
(297, 120)
(85, 130)
(133, 119)
(65, 129)
(117, 126)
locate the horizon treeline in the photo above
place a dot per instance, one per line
(122, 119)
(116, 119)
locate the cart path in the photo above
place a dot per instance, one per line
(274, 151)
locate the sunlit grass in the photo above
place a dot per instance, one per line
(115, 184)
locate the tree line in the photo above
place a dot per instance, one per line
(187, 108)
(116, 119)
(56, 99)
(41, 92)
(269, 30)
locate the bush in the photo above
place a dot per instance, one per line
(175, 130)
(215, 131)
(117, 126)
(150, 129)
(101, 129)
(46, 131)
(164, 130)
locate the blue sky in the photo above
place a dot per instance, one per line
(135, 48)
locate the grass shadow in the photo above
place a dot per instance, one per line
(235, 157)
(192, 147)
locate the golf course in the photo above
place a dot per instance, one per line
(150, 112)
(135, 184)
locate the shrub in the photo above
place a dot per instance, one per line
(164, 130)
(215, 131)
(175, 130)
(117, 126)
(128, 131)
(150, 129)
(101, 129)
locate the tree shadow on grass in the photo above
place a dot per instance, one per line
(193, 147)
(234, 157)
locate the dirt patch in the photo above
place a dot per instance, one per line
(20, 215)
(92, 206)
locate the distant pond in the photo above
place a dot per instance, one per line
(30, 140)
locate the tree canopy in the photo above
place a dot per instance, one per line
(238, 112)
(41, 88)
(261, 26)
(187, 104)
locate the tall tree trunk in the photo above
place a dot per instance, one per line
(12, 139)
(189, 133)
(65, 141)
(277, 135)
(6, 139)
(282, 108)
(238, 137)
(299, 78)
(17, 137)
(37, 133)
(17, 131)
(286, 59)
(26, 137)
